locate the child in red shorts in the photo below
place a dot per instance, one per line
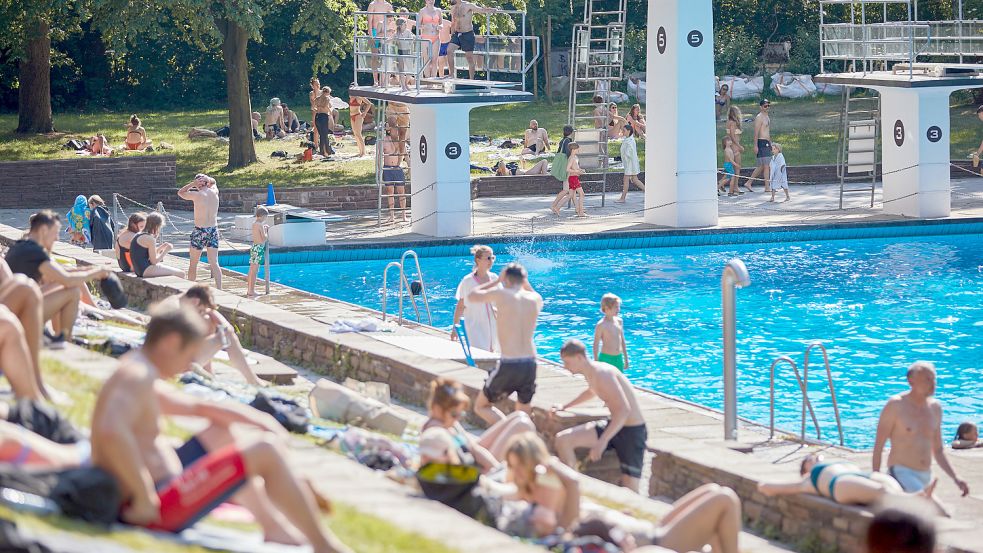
(573, 177)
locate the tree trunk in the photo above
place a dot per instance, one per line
(34, 96)
(235, 39)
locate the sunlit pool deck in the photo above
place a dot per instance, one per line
(685, 440)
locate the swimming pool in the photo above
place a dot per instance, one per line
(877, 303)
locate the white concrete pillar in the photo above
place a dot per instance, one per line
(680, 146)
(915, 150)
(440, 168)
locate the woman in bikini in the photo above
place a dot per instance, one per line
(444, 440)
(551, 488)
(844, 483)
(136, 135)
(134, 226)
(430, 17)
(734, 132)
(357, 108)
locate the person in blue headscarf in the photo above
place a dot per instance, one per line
(79, 221)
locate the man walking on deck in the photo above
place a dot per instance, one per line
(624, 431)
(762, 144)
(203, 193)
(462, 33)
(912, 421)
(518, 307)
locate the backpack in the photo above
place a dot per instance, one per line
(456, 487)
(287, 412)
(44, 420)
(90, 494)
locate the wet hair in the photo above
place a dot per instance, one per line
(515, 273)
(567, 130)
(896, 530)
(134, 220)
(963, 429)
(531, 452)
(202, 293)
(919, 366)
(134, 120)
(573, 347)
(813, 457)
(43, 219)
(183, 321)
(447, 394)
(154, 223)
(480, 251)
(609, 300)
(96, 199)
(261, 211)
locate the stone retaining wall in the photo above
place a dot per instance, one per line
(812, 523)
(41, 183)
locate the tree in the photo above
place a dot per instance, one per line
(28, 30)
(230, 25)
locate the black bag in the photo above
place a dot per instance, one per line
(287, 412)
(279, 153)
(112, 290)
(44, 420)
(370, 141)
(223, 132)
(90, 494)
(74, 145)
(454, 486)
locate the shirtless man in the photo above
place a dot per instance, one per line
(170, 490)
(312, 95)
(203, 193)
(624, 432)
(379, 28)
(221, 336)
(536, 140)
(462, 33)
(22, 296)
(912, 421)
(762, 141)
(393, 177)
(518, 307)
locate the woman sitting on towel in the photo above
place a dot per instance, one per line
(136, 135)
(842, 482)
(444, 440)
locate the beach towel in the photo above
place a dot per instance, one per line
(79, 221)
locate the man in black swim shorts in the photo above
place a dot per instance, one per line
(762, 142)
(624, 432)
(462, 32)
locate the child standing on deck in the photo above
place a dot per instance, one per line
(609, 334)
(257, 253)
(573, 177)
(730, 170)
(779, 172)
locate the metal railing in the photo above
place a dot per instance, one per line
(404, 287)
(386, 55)
(803, 380)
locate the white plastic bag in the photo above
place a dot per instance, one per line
(829, 89)
(787, 85)
(637, 90)
(743, 88)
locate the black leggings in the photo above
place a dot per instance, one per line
(324, 134)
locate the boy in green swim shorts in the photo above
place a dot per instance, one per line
(609, 334)
(257, 252)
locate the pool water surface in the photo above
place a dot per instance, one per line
(877, 304)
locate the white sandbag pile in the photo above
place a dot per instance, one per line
(637, 89)
(829, 89)
(788, 85)
(743, 88)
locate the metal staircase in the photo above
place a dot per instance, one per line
(859, 137)
(597, 62)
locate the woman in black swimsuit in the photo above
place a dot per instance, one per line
(134, 226)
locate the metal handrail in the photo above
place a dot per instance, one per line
(423, 287)
(805, 399)
(385, 289)
(829, 381)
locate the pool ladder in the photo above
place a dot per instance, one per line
(404, 287)
(803, 381)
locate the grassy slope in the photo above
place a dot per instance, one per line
(364, 533)
(807, 128)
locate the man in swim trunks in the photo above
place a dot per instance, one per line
(762, 141)
(518, 307)
(170, 490)
(536, 140)
(203, 193)
(393, 176)
(624, 431)
(912, 422)
(462, 32)
(379, 28)
(443, 62)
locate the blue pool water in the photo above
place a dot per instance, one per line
(878, 304)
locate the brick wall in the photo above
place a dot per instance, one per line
(43, 183)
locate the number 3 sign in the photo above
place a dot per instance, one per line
(899, 133)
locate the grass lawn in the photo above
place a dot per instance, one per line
(807, 128)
